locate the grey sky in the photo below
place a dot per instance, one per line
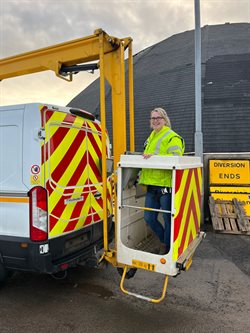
(26, 25)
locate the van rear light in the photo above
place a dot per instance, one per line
(38, 214)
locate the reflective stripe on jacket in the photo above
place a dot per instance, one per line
(164, 143)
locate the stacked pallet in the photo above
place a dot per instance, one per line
(229, 217)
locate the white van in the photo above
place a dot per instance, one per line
(51, 207)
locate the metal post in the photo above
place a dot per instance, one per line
(131, 99)
(198, 139)
(104, 154)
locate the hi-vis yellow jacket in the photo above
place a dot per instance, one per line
(165, 142)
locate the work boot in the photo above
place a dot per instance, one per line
(163, 249)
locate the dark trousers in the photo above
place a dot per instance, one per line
(156, 200)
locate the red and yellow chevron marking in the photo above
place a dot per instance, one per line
(188, 208)
(71, 171)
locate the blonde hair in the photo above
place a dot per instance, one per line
(164, 115)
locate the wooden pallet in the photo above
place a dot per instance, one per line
(229, 217)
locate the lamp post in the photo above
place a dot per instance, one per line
(198, 138)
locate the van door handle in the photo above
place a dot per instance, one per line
(97, 195)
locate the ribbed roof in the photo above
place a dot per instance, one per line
(164, 76)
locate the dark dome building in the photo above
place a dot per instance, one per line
(164, 76)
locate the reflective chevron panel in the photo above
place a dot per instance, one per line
(187, 204)
(71, 171)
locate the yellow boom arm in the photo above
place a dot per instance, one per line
(109, 51)
(52, 58)
(100, 46)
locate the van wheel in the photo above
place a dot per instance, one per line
(130, 273)
(3, 273)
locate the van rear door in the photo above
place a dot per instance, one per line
(14, 208)
(71, 171)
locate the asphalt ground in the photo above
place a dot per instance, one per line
(213, 296)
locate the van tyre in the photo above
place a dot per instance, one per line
(3, 273)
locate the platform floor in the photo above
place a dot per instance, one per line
(150, 244)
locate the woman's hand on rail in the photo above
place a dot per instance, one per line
(146, 156)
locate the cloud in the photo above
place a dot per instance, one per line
(219, 12)
(27, 25)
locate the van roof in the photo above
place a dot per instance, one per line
(22, 106)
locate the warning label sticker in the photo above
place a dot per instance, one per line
(143, 265)
(35, 169)
(233, 172)
(35, 180)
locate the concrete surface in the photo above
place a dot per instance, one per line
(213, 296)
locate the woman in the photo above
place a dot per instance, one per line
(162, 141)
